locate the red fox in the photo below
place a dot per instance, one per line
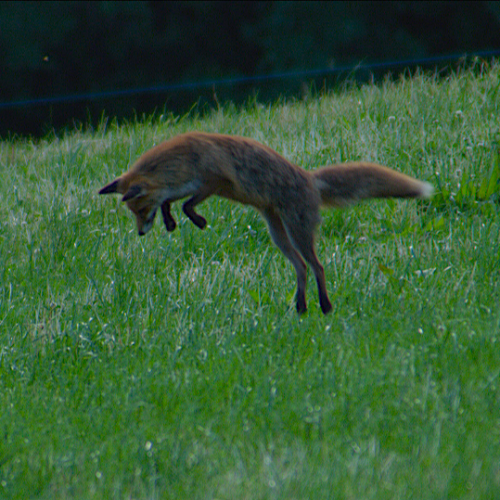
(200, 165)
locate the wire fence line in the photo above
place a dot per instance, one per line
(175, 87)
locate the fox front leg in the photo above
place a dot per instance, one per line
(202, 194)
(188, 208)
(168, 220)
(197, 219)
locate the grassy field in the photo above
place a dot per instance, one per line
(174, 366)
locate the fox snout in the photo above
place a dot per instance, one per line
(145, 226)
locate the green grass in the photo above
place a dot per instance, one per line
(175, 366)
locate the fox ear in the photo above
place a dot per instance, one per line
(133, 192)
(112, 187)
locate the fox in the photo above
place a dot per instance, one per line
(200, 164)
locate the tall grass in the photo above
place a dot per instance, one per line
(175, 366)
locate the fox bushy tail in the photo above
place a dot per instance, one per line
(345, 184)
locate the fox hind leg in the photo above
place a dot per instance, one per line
(302, 237)
(282, 241)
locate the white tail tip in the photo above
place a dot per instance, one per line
(427, 190)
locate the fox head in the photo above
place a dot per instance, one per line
(140, 199)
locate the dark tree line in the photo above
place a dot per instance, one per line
(63, 48)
